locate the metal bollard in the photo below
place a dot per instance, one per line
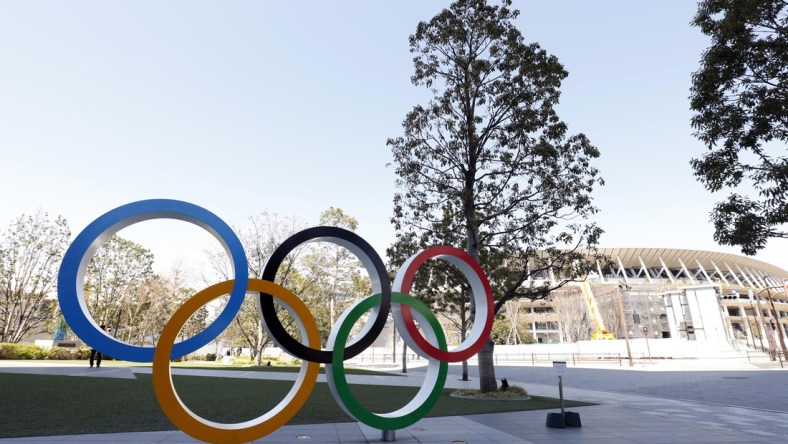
(388, 435)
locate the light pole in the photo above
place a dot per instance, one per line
(648, 348)
(624, 324)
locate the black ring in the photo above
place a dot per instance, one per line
(362, 250)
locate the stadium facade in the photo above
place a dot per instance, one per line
(667, 293)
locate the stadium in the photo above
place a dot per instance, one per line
(732, 301)
(644, 303)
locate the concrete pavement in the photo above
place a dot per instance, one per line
(674, 402)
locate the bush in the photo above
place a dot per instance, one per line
(502, 326)
(200, 357)
(62, 353)
(513, 392)
(22, 351)
(28, 351)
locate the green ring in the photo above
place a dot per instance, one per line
(335, 372)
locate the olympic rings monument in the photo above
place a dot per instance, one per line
(388, 297)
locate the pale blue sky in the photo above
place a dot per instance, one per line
(243, 107)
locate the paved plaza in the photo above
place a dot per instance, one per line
(666, 402)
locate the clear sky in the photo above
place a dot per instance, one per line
(244, 107)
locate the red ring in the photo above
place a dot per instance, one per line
(407, 280)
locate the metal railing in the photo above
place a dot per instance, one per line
(774, 354)
(574, 358)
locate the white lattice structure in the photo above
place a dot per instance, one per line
(678, 266)
(679, 293)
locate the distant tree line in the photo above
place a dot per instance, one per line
(122, 290)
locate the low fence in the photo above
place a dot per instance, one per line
(772, 355)
(590, 352)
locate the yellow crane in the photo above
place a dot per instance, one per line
(601, 332)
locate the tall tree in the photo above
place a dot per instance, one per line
(339, 277)
(740, 99)
(112, 280)
(30, 253)
(487, 165)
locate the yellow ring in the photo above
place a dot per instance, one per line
(210, 431)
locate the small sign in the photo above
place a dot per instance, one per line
(559, 367)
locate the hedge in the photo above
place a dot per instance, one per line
(28, 351)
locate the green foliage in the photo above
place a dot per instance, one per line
(21, 351)
(67, 353)
(513, 392)
(323, 275)
(487, 165)
(501, 330)
(210, 357)
(740, 99)
(30, 351)
(337, 277)
(335, 217)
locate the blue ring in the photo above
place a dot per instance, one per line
(78, 255)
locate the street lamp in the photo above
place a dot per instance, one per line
(623, 323)
(648, 348)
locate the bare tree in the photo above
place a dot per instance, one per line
(263, 234)
(607, 302)
(573, 314)
(30, 254)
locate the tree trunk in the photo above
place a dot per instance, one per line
(487, 381)
(258, 350)
(393, 343)
(463, 336)
(404, 357)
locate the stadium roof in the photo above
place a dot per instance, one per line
(692, 265)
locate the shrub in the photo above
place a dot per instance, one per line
(513, 392)
(62, 353)
(83, 353)
(22, 351)
(200, 357)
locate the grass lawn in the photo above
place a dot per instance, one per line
(274, 368)
(287, 368)
(38, 405)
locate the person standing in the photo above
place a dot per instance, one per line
(95, 353)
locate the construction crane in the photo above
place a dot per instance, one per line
(601, 332)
